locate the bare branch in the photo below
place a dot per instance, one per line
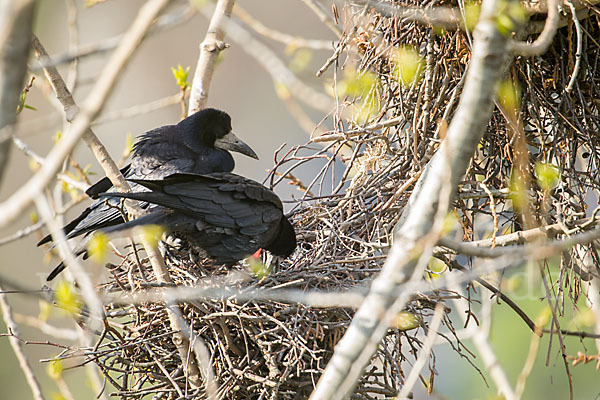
(16, 19)
(13, 330)
(543, 41)
(210, 48)
(371, 321)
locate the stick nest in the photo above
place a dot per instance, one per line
(353, 182)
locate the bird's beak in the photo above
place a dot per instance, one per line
(233, 143)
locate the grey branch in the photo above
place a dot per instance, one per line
(210, 48)
(371, 321)
(16, 19)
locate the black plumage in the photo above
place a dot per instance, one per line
(225, 217)
(198, 144)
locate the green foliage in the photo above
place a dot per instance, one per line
(97, 247)
(511, 15)
(355, 83)
(151, 234)
(408, 65)
(301, 59)
(66, 298)
(509, 95)
(181, 76)
(257, 267)
(55, 369)
(548, 175)
(405, 321)
(472, 12)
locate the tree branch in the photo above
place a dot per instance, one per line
(371, 321)
(16, 20)
(210, 48)
(13, 330)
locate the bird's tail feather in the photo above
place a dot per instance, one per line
(156, 217)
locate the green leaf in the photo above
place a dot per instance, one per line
(548, 175)
(151, 234)
(405, 321)
(355, 83)
(509, 95)
(181, 76)
(66, 298)
(55, 369)
(97, 247)
(510, 16)
(408, 65)
(472, 12)
(257, 267)
(301, 59)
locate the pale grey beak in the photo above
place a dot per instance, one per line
(233, 143)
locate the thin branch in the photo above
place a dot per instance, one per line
(488, 356)
(210, 49)
(543, 41)
(577, 65)
(280, 73)
(321, 13)
(13, 330)
(415, 371)
(288, 40)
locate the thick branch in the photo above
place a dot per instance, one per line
(210, 48)
(372, 320)
(16, 20)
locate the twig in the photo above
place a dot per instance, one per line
(210, 48)
(13, 330)
(280, 73)
(320, 12)
(288, 40)
(579, 32)
(485, 349)
(415, 371)
(543, 41)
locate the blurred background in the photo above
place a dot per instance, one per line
(260, 117)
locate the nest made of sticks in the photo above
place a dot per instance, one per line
(346, 212)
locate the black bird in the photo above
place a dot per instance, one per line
(225, 217)
(198, 144)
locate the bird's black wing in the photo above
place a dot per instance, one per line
(227, 215)
(104, 184)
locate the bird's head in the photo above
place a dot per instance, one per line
(212, 128)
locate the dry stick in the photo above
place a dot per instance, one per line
(210, 48)
(480, 341)
(579, 32)
(413, 376)
(371, 321)
(177, 324)
(16, 20)
(13, 330)
(16, 204)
